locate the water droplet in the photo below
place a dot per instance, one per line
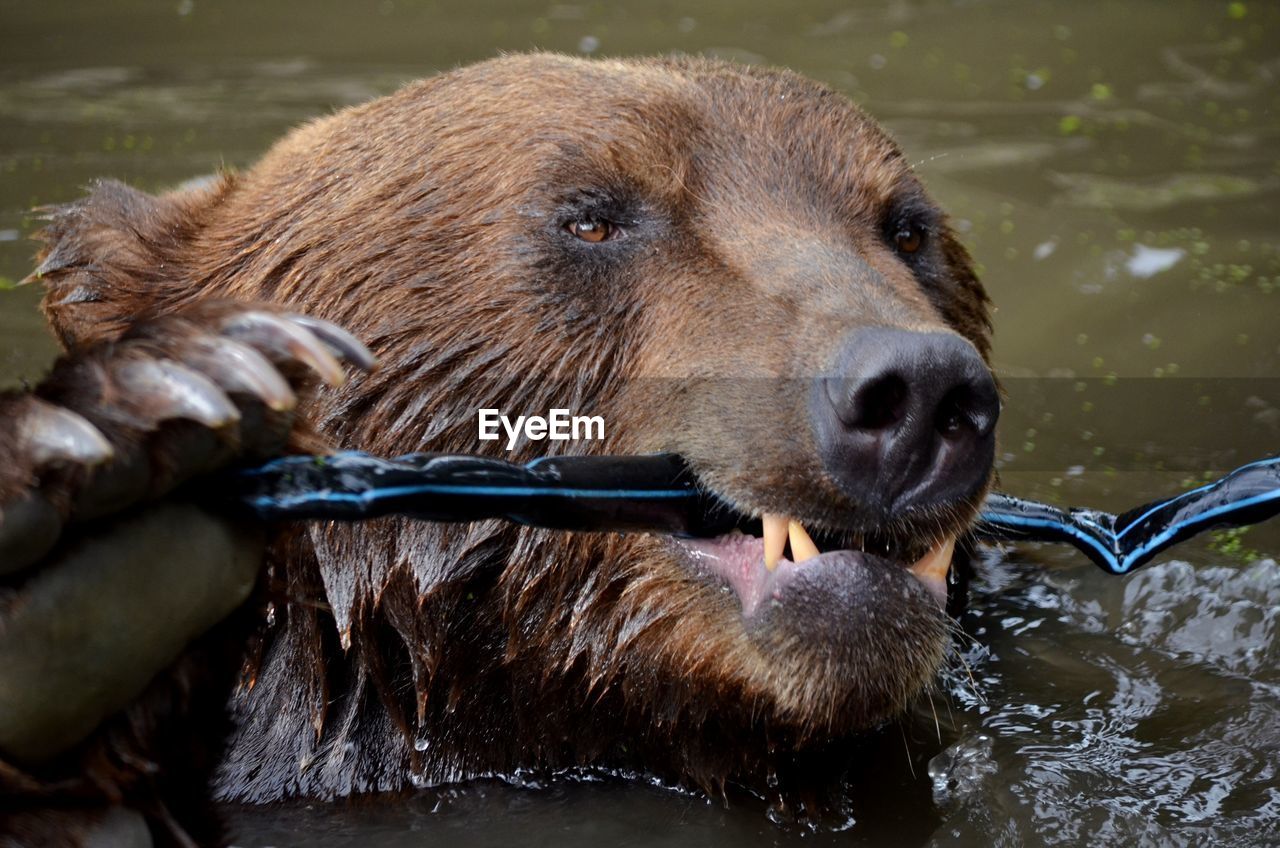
(960, 771)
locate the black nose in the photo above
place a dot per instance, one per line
(906, 419)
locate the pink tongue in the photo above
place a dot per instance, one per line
(740, 560)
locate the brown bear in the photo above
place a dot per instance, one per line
(728, 263)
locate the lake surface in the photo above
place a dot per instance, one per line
(1115, 168)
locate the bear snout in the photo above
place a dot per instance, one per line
(905, 419)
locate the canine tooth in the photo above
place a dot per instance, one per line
(937, 562)
(775, 538)
(931, 569)
(802, 547)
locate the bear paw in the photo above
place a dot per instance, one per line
(175, 397)
(91, 610)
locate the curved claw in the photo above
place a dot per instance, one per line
(90, 441)
(119, 423)
(52, 435)
(341, 343)
(162, 390)
(285, 339)
(239, 368)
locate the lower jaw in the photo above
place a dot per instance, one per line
(827, 647)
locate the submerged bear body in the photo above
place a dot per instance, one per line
(731, 264)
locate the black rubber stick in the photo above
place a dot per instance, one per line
(657, 493)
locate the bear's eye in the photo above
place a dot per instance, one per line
(908, 239)
(593, 230)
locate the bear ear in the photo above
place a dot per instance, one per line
(114, 254)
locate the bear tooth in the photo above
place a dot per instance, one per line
(775, 538)
(931, 569)
(802, 547)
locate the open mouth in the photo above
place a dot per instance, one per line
(771, 557)
(761, 560)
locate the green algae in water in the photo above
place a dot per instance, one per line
(1096, 191)
(1230, 543)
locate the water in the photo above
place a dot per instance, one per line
(1114, 167)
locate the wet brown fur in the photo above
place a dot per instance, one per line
(429, 224)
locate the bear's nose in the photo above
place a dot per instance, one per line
(905, 418)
